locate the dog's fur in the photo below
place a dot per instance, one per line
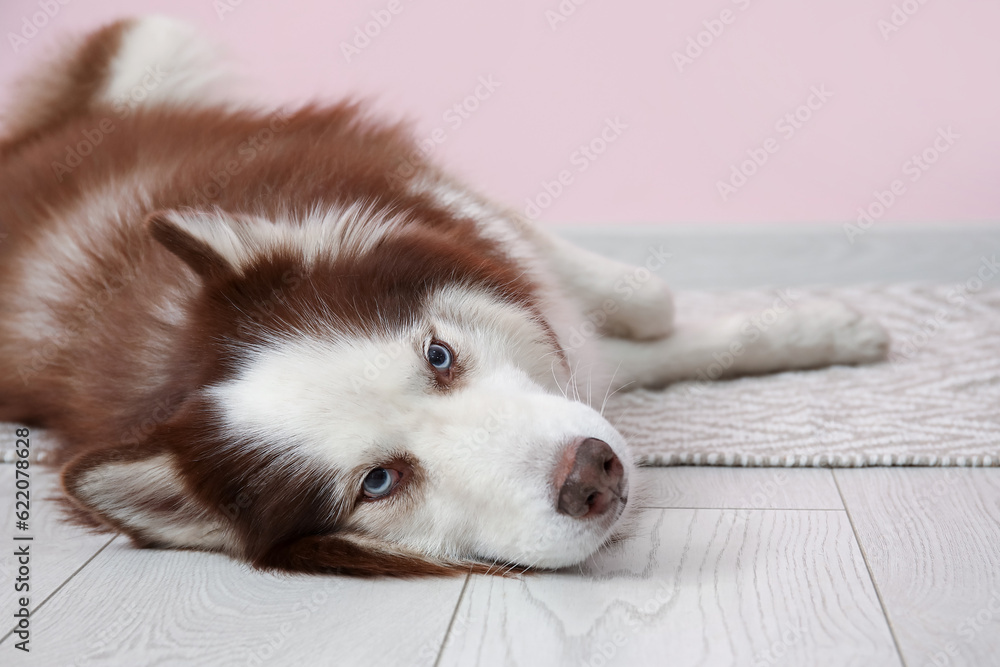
(224, 316)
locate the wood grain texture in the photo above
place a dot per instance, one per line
(57, 551)
(696, 587)
(738, 488)
(932, 541)
(151, 607)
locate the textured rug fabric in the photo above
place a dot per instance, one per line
(936, 402)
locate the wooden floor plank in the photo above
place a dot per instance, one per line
(57, 550)
(163, 607)
(931, 537)
(738, 488)
(696, 587)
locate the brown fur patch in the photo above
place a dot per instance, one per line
(138, 332)
(64, 90)
(332, 554)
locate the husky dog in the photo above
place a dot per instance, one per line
(284, 336)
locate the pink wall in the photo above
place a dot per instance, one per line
(884, 96)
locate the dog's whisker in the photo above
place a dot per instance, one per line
(556, 379)
(576, 380)
(620, 417)
(607, 393)
(621, 388)
(489, 567)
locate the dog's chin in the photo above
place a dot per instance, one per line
(572, 552)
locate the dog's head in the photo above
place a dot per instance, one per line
(382, 404)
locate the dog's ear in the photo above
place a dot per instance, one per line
(208, 243)
(141, 493)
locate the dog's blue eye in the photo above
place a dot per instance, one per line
(439, 356)
(380, 482)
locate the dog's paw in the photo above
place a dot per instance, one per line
(849, 337)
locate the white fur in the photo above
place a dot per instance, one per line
(807, 335)
(57, 260)
(353, 229)
(162, 60)
(116, 488)
(488, 447)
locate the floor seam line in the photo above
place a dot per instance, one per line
(60, 586)
(745, 509)
(451, 621)
(871, 575)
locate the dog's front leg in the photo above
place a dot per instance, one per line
(809, 335)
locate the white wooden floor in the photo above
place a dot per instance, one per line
(751, 567)
(730, 567)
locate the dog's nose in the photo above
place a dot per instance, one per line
(589, 479)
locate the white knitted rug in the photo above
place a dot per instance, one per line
(936, 402)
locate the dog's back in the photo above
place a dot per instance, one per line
(124, 125)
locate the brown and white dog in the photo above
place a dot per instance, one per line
(278, 336)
